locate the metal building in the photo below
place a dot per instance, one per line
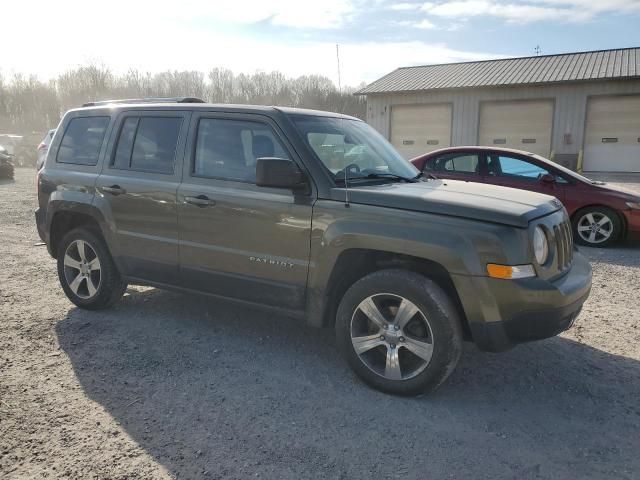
(580, 109)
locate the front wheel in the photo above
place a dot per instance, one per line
(399, 332)
(596, 226)
(86, 271)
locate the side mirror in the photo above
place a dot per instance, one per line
(548, 178)
(279, 173)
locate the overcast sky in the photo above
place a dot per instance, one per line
(299, 37)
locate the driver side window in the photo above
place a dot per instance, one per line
(516, 168)
(229, 149)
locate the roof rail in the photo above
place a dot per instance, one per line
(146, 100)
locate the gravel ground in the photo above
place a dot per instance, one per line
(176, 386)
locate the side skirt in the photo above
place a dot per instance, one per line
(298, 314)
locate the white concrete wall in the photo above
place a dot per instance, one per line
(569, 112)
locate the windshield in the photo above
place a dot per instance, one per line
(352, 147)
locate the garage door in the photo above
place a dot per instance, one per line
(417, 129)
(524, 125)
(612, 137)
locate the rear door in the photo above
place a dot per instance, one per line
(510, 170)
(237, 239)
(137, 188)
(459, 165)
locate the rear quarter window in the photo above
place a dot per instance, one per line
(82, 140)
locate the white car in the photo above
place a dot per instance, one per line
(43, 148)
(10, 142)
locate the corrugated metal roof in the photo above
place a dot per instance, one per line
(567, 67)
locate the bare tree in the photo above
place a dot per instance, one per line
(30, 105)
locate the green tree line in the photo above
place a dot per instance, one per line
(29, 105)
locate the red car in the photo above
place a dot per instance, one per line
(600, 214)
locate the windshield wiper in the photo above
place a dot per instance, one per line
(378, 175)
(394, 176)
(421, 175)
(430, 175)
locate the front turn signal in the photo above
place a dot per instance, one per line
(510, 272)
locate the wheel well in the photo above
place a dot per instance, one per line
(623, 220)
(354, 264)
(64, 222)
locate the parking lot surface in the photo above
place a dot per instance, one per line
(167, 385)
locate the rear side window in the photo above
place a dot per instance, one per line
(455, 162)
(82, 140)
(147, 144)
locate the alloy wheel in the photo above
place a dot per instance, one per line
(82, 269)
(391, 336)
(595, 227)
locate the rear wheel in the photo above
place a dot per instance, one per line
(597, 226)
(399, 332)
(86, 271)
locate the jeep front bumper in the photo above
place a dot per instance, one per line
(503, 313)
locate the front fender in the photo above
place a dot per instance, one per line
(460, 246)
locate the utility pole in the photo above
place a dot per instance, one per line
(338, 58)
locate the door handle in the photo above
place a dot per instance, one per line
(114, 190)
(200, 201)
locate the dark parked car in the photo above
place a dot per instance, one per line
(600, 214)
(6, 163)
(312, 214)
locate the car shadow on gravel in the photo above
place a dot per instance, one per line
(213, 390)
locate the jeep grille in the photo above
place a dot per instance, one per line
(564, 244)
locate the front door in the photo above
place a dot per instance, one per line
(237, 239)
(513, 171)
(138, 188)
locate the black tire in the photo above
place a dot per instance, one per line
(6, 172)
(612, 228)
(434, 306)
(110, 286)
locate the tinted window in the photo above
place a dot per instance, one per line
(124, 149)
(455, 162)
(229, 149)
(82, 140)
(147, 144)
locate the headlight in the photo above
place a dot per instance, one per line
(540, 245)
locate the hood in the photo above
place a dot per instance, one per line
(620, 192)
(476, 201)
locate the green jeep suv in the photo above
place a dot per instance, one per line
(310, 214)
